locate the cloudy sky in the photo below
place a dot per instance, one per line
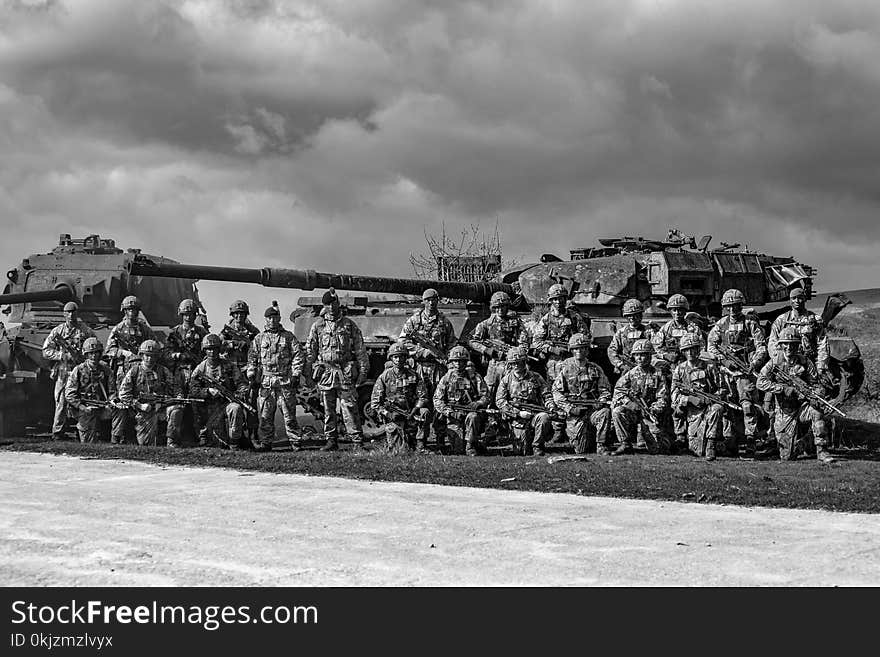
(330, 135)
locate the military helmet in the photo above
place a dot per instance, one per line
(430, 293)
(149, 347)
(556, 290)
(92, 344)
(272, 310)
(186, 306)
(130, 301)
(688, 341)
(642, 347)
(398, 349)
(71, 307)
(797, 292)
(790, 334)
(580, 340)
(239, 306)
(632, 307)
(731, 297)
(212, 341)
(678, 301)
(516, 355)
(459, 353)
(498, 299)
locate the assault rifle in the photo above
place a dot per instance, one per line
(628, 361)
(167, 400)
(465, 408)
(643, 405)
(561, 345)
(225, 392)
(425, 343)
(537, 408)
(72, 352)
(499, 346)
(396, 410)
(710, 397)
(101, 403)
(588, 403)
(735, 363)
(804, 390)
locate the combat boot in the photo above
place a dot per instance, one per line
(602, 450)
(471, 448)
(558, 437)
(710, 450)
(624, 448)
(331, 445)
(422, 446)
(823, 455)
(749, 449)
(294, 446)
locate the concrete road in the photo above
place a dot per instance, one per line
(71, 522)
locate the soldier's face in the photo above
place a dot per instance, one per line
(691, 354)
(212, 354)
(635, 320)
(239, 317)
(332, 309)
(93, 357)
(559, 303)
(643, 359)
(399, 360)
(274, 321)
(131, 314)
(188, 317)
(581, 353)
(790, 349)
(798, 303)
(430, 304)
(734, 310)
(678, 314)
(70, 316)
(461, 365)
(520, 366)
(502, 309)
(149, 360)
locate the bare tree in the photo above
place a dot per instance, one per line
(474, 256)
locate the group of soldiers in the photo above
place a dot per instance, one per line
(679, 390)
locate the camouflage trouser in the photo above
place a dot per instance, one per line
(120, 419)
(400, 437)
(463, 435)
(146, 425)
(348, 401)
(220, 422)
(586, 433)
(629, 417)
(494, 371)
(752, 423)
(59, 423)
(268, 401)
(553, 364)
(537, 431)
(88, 424)
(430, 373)
(703, 425)
(791, 425)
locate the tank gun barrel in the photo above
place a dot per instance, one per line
(61, 293)
(308, 279)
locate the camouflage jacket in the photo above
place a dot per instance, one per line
(814, 341)
(88, 381)
(699, 374)
(141, 383)
(649, 385)
(743, 335)
(184, 346)
(529, 388)
(225, 373)
(667, 338)
(460, 388)
(129, 338)
(622, 343)
(576, 380)
(237, 341)
(510, 330)
(435, 328)
(74, 336)
(801, 367)
(555, 327)
(337, 342)
(278, 355)
(402, 388)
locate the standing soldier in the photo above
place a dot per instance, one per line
(275, 361)
(339, 362)
(620, 349)
(640, 401)
(582, 392)
(143, 388)
(123, 345)
(184, 343)
(400, 399)
(221, 383)
(237, 335)
(702, 417)
(814, 342)
(739, 343)
(794, 412)
(525, 399)
(494, 336)
(429, 335)
(460, 396)
(63, 346)
(552, 333)
(88, 390)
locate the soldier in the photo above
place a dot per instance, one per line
(524, 398)
(88, 390)
(620, 349)
(400, 399)
(582, 392)
(552, 333)
(220, 419)
(429, 335)
(794, 412)
(142, 389)
(701, 417)
(460, 396)
(64, 345)
(339, 363)
(814, 342)
(641, 400)
(504, 329)
(738, 341)
(123, 344)
(275, 361)
(238, 334)
(184, 342)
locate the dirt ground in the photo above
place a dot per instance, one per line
(74, 522)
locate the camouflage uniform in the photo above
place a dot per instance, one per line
(89, 381)
(219, 420)
(576, 380)
(405, 390)
(463, 426)
(552, 333)
(336, 346)
(814, 341)
(627, 415)
(124, 337)
(793, 415)
(63, 362)
(237, 341)
(529, 388)
(702, 419)
(509, 330)
(141, 383)
(665, 342)
(438, 330)
(184, 347)
(276, 359)
(623, 341)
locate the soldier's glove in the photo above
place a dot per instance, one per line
(317, 371)
(789, 391)
(426, 354)
(213, 392)
(422, 414)
(362, 377)
(475, 406)
(578, 411)
(525, 415)
(144, 407)
(657, 407)
(251, 375)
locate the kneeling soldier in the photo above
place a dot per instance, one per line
(581, 387)
(145, 389)
(640, 400)
(460, 396)
(699, 397)
(793, 381)
(222, 385)
(524, 398)
(88, 391)
(400, 399)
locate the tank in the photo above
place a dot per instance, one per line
(94, 273)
